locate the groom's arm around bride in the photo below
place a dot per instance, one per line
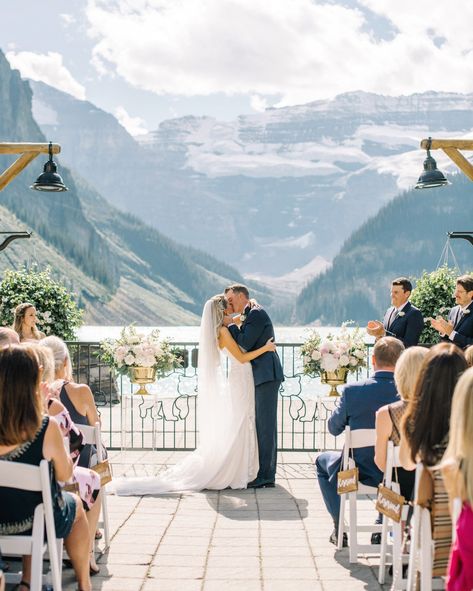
(254, 332)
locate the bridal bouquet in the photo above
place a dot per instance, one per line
(134, 349)
(344, 350)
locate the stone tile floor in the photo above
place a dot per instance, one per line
(250, 540)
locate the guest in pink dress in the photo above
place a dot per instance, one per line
(457, 469)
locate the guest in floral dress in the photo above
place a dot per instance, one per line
(87, 481)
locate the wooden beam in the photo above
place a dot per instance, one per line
(12, 171)
(440, 144)
(16, 148)
(463, 164)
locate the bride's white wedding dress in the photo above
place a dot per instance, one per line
(227, 451)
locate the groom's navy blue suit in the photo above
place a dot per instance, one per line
(255, 331)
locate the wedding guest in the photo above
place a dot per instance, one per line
(357, 409)
(28, 436)
(78, 401)
(402, 320)
(425, 432)
(388, 418)
(457, 470)
(459, 327)
(8, 337)
(469, 355)
(24, 323)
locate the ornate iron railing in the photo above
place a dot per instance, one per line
(166, 419)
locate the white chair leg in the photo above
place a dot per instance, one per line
(341, 522)
(383, 551)
(425, 551)
(397, 556)
(353, 534)
(414, 549)
(106, 526)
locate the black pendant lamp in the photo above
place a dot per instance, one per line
(431, 177)
(49, 180)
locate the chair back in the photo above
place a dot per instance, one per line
(92, 436)
(34, 479)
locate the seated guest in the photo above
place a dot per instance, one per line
(357, 409)
(459, 328)
(80, 404)
(402, 320)
(457, 470)
(388, 418)
(24, 323)
(425, 432)
(8, 337)
(87, 480)
(27, 436)
(469, 355)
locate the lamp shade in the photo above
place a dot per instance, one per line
(49, 179)
(431, 177)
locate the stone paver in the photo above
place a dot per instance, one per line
(264, 540)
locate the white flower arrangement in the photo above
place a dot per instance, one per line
(346, 350)
(133, 349)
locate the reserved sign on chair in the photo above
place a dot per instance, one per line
(347, 481)
(389, 503)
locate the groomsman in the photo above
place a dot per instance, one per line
(403, 320)
(459, 327)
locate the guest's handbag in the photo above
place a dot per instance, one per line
(104, 470)
(389, 503)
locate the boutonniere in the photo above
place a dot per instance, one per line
(401, 314)
(242, 317)
(466, 312)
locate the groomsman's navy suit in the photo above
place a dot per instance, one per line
(406, 325)
(356, 409)
(255, 331)
(462, 325)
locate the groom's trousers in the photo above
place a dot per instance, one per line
(266, 407)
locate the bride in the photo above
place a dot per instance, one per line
(227, 452)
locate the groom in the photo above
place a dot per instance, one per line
(255, 329)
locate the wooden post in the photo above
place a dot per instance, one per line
(452, 150)
(28, 152)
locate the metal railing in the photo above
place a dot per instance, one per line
(167, 419)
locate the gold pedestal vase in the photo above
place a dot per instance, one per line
(334, 379)
(142, 376)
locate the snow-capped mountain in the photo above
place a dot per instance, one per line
(269, 192)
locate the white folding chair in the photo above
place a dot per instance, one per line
(355, 440)
(394, 550)
(92, 436)
(421, 546)
(456, 510)
(35, 479)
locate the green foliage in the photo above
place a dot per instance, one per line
(57, 312)
(433, 295)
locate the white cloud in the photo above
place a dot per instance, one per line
(258, 103)
(300, 50)
(134, 125)
(48, 68)
(67, 19)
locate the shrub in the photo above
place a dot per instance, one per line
(57, 312)
(433, 295)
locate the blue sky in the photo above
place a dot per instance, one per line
(149, 60)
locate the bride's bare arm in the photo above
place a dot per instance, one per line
(225, 339)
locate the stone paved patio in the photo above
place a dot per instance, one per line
(263, 540)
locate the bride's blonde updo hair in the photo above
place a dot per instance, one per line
(219, 305)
